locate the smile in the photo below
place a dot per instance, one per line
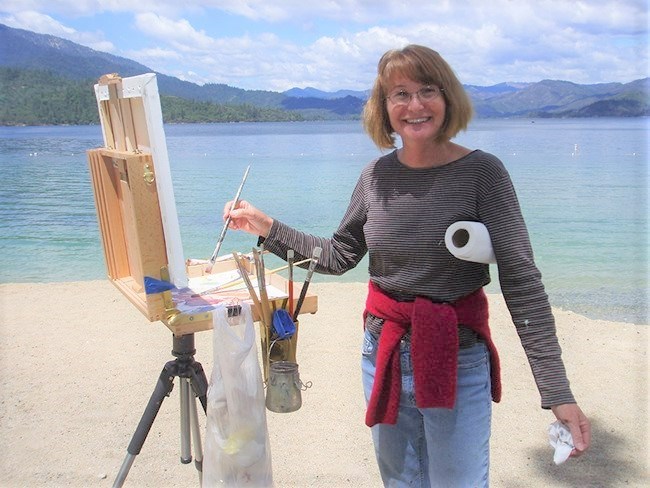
(418, 121)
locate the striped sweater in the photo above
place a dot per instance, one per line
(399, 215)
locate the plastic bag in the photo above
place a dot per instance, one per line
(237, 447)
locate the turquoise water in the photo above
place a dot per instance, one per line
(582, 185)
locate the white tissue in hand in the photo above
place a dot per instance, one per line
(560, 438)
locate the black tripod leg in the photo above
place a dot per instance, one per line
(199, 383)
(163, 388)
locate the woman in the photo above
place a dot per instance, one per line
(430, 369)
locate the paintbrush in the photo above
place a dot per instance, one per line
(247, 281)
(290, 257)
(303, 292)
(228, 219)
(215, 289)
(261, 285)
(238, 281)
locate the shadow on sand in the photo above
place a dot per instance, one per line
(610, 462)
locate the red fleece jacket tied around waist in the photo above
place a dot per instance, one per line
(434, 350)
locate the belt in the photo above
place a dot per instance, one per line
(467, 337)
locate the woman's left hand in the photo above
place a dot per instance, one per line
(577, 423)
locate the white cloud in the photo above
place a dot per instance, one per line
(178, 33)
(485, 41)
(152, 56)
(602, 14)
(483, 55)
(81, 8)
(44, 24)
(32, 20)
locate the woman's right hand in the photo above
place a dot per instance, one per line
(248, 218)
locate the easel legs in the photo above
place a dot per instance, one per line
(190, 427)
(193, 383)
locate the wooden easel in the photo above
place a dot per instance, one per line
(140, 235)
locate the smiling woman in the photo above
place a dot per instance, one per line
(410, 69)
(429, 366)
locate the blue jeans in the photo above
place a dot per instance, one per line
(435, 447)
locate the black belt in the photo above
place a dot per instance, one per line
(467, 337)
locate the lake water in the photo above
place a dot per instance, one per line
(582, 184)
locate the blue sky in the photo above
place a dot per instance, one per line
(335, 44)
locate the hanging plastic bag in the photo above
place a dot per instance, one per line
(237, 448)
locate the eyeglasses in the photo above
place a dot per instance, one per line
(425, 94)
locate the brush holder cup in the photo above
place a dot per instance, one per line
(283, 390)
(283, 349)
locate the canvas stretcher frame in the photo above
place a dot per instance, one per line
(136, 208)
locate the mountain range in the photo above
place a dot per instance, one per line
(23, 52)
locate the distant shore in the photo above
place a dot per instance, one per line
(79, 363)
(531, 117)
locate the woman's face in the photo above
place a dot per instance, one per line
(418, 121)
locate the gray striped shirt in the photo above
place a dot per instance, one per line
(399, 216)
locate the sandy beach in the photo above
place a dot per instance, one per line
(79, 362)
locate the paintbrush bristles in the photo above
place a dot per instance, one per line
(239, 281)
(269, 272)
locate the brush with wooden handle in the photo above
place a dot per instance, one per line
(303, 292)
(222, 236)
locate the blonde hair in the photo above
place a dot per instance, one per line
(425, 65)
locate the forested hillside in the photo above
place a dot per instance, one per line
(31, 97)
(38, 97)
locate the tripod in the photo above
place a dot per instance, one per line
(190, 374)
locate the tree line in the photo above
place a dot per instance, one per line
(34, 97)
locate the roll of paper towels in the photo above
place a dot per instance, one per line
(470, 241)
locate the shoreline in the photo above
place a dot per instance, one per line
(79, 363)
(322, 280)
